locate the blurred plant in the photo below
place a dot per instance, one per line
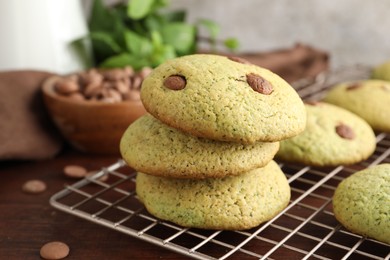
(138, 33)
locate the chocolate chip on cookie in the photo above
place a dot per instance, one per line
(239, 60)
(213, 87)
(370, 102)
(386, 87)
(175, 82)
(312, 103)
(259, 84)
(345, 131)
(354, 86)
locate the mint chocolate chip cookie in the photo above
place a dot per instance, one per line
(333, 136)
(382, 71)
(361, 202)
(232, 203)
(152, 147)
(223, 99)
(369, 99)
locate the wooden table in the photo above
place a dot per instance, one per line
(28, 221)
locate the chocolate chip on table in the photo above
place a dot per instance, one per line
(34, 186)
(259, 84)
(344, 131)
(75, 171)
(54, 250)
(175, 82)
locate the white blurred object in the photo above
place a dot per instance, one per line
(37, 35)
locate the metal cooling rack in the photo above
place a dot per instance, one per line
(306, 229)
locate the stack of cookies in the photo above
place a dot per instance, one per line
(204, 153)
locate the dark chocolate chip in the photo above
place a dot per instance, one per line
(175, 82)
(312, 103)
(238, 59)
(354, 86)
(259, 84)
(345, 131)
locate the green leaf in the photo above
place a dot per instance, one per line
(137, 44)
(231, 43)
(153, 22)
(83, 52)
(181, 36)
(175, 16)
(138, 9)
(125, 59)
(159, 4)
(100, 19)
(139, 33)
(157, 39)
(211, 26)
(107, 39)
(160, 55)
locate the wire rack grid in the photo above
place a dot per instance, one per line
(305, 229)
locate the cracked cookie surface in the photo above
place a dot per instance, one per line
(333, 136)
(223, 99)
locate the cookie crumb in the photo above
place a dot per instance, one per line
(54, 250)
(75, 171)
(34, 186)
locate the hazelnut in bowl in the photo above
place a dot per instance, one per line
(93, 108)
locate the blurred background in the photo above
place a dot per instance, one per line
(350, 31)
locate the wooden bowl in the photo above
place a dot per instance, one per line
(90, 126)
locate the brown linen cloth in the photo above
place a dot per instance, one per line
(26, 131)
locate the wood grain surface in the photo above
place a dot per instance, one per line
(28, 221)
